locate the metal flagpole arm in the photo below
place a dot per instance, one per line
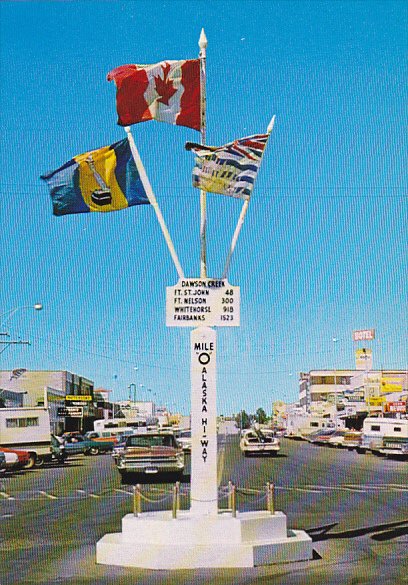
(152, 199)
(242, 215)
(202, 43)
(235, 236)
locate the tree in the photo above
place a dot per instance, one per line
(260, 416)
(243, 420)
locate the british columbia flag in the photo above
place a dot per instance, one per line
(230, 169)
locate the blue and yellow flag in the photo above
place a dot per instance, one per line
(105, 179)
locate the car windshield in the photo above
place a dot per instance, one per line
(150, 441)
(253, 437)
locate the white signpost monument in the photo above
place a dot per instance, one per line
(202, 536)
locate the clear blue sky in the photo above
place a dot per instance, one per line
(324, 246)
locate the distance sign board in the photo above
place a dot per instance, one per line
(202, 302)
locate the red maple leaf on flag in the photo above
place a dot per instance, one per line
(164, 87)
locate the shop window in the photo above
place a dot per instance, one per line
(12, 423)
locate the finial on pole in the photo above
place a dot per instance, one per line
(202, 42)
(271, 124)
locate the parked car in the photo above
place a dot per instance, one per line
(76, 444)
(23, 457)
(103, 436)
(2, 462)
(184, 439)
(120, 444)
(258, 441)
(395, 447)
(151, 453)
(11, 459)
(385, 436)
(321, 436)
(100, 442)
(336, 439)
(352, 440)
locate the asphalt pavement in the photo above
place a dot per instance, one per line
(353, 506)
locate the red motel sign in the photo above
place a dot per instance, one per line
(364, 335)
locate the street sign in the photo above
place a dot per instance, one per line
(391, 384)
(202, 302)
(364, 359)
(376, 400)
(70, 411)
(79, 397)
(400, 406)
(350, 410)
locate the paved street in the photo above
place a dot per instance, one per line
(353, 506)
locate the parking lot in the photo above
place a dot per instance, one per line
(353, 506)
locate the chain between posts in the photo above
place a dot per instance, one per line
(230, 492)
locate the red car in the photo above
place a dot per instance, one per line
(22, 460)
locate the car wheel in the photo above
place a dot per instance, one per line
(39, 462)
(94, 450)
(125, 477)
(31, 462)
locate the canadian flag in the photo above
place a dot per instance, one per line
(168, 91)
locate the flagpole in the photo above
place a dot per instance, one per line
(202, 43)
(242, 216)
(152, 199)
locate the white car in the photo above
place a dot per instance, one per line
(184, 439)
(337, 438)
(11, 460)
(259, 442)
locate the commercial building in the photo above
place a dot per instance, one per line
(55, 389)
(354, 391)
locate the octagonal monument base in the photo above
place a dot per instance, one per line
(155, 540)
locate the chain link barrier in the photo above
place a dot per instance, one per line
(252, 495)
(156, 500)
(157, 496)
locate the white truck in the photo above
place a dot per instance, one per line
(28, 428)
(299, 426)
(385, 436)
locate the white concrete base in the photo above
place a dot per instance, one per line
(154, 540)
